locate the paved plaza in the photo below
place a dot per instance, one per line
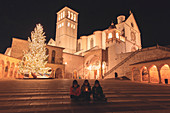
(52, 96)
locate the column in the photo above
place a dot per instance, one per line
(159, 74)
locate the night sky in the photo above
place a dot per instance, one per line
(19, 17)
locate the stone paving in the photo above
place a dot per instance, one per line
(52, 96)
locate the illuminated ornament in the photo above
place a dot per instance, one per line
(34, 59)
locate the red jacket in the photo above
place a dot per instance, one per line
(75, 91)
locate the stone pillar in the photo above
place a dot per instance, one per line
(159, 74)
(149, 80)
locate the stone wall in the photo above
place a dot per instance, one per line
(142, 55)
(73, 63)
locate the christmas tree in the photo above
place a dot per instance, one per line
(34, 59)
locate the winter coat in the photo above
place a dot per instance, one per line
(97, 91)
(75, 91)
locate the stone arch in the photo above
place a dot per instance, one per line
(136, 74)
(144, 73)
(153, 72)
(1, 68)
(58, 73)
(11, 70)
(7, 67)
(165, 72)
(75, 75)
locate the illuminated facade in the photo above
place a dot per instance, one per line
(116, 49)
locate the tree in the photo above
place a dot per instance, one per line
(34, 59)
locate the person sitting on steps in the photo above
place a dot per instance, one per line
(75, 91)
(98, 92)
(86, 91)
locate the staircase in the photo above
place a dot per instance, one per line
(121, 63)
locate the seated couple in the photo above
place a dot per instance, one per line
(84, 93)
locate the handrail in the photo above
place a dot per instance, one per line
(122, 62)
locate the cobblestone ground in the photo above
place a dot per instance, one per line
(52, 96)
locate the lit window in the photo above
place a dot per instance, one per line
(117, 35)
(68, 24)
(63, 24)
(60, 25)
(110, 35)
(74, 26)
(71, 16)
(68, 14)
(74, 17)
(63, 14)
(58, 16)
(71, 25)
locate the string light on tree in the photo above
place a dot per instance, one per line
(34, 59)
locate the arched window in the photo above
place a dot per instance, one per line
(74, 17)
(53, 57)
(68, 14)
(63, 14)
(133, 37)
(47, 53)
(91, 43)
(109, 35)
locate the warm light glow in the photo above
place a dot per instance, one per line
(117, 35)
(62, 23)
(58, 16)
(71, 16)
(71, 25)
(122, 38)
(65, 63)
(154, 66)
(68, 24)
(63, 14)
(103, 66)
(68, 14)
(74, 17)
(34, 60)
(74, 27)
(110, 35)
(166, 66)
(90, 67)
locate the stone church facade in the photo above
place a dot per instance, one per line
(114, 51)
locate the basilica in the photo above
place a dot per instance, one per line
(111, 53)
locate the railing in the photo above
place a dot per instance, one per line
(121, 63)
(163, 48)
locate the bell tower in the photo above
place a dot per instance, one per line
(66, 29)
